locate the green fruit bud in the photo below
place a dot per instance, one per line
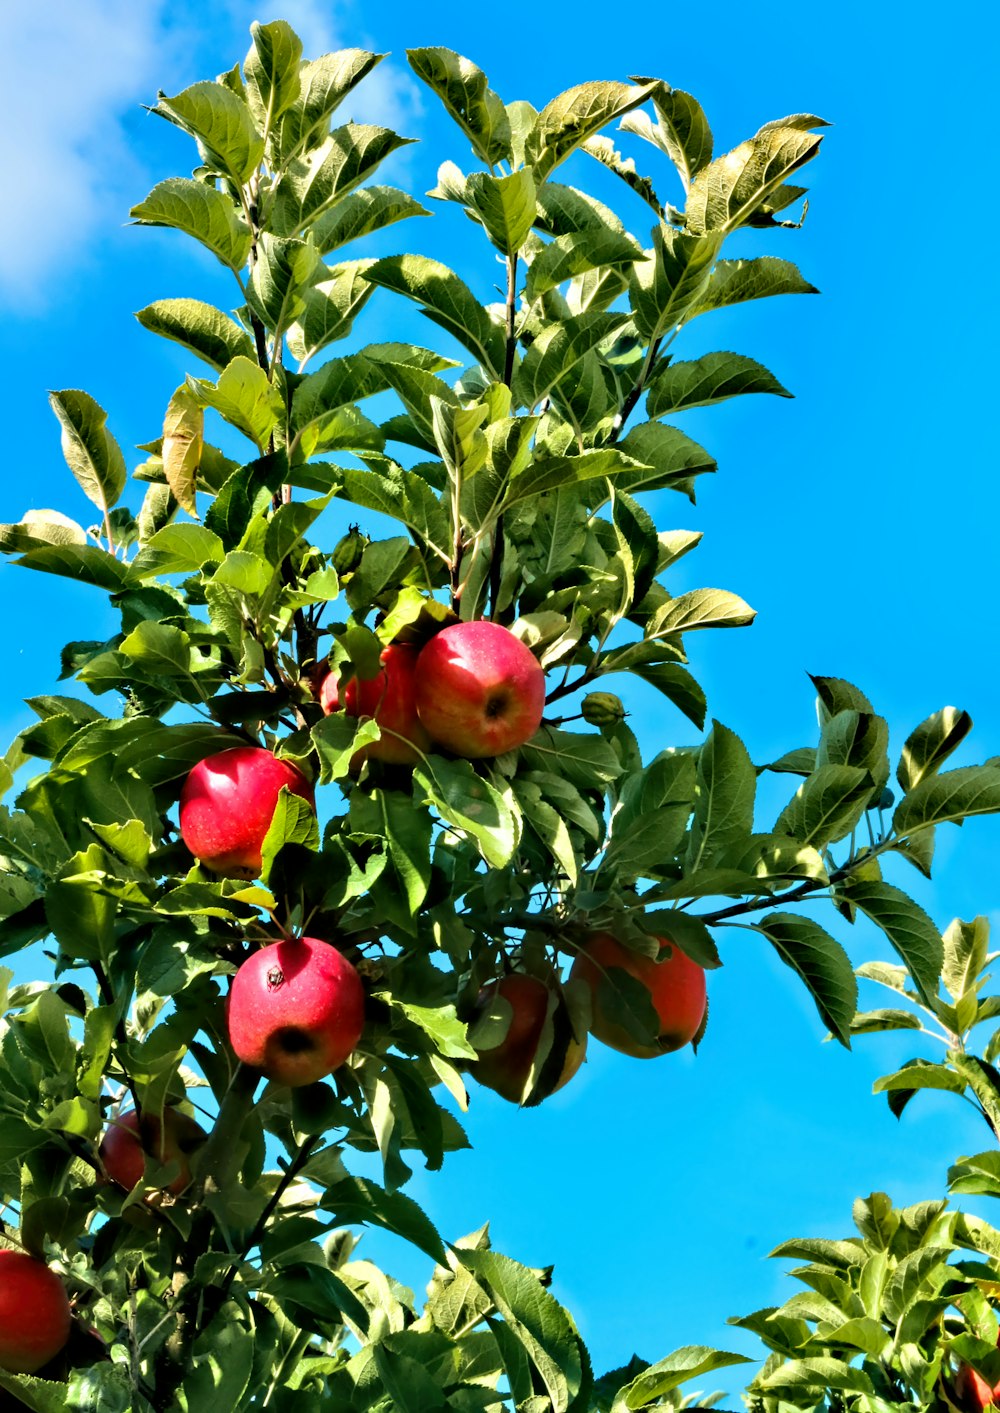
(603, 709)
(348, 551)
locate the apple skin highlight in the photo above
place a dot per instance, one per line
(296, 1010)
(480, 691)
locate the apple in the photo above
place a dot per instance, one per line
(133, 1136)
(328, 693)
(34, 1313)
(675, 983)
(480, 691)
(296, 1010)
(227, 804)
(505, 1067)
(972, 1391)
(388, 697)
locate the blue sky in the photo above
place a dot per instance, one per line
(860, 520)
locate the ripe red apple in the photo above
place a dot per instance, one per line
(296, 1010)
(132, 1137)
(675, 983)
(34, 1313)
(328, 693)
(389, 698)
(972, 1391)
(479, 690)
(227, 804)
(505, 1067)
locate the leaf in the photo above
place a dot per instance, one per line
(675, 460)
(362, 212)
(667, 289)
(313, 183)
(329, 308)
(199, 327)
(707, 380)
(701, 608)
(583, 759)
(910, 930)
(682, 131)
(183, 429)
(930, 744)
(736, 281)
(566, 122)
(827, 805)
(948, 798)
(408, 836)
(219, 1362)
(245, 398)
(464, 90)
(822, 964)
(220, 122)
(680, 1367)
(724, 797)
(557, 349)
(211, 216)
(471, 804)
(446, 300)
(726, 192)
(871, 1022)
(977, 1176)
(87, 564)
(323, 85)
(91, 452)
(359, 1200)
(505, 205)
(966, 947)
(271, 72)
(536, 1319)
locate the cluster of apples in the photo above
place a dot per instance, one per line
(474, 689)
(676, 987)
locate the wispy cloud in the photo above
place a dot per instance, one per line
(75, 70)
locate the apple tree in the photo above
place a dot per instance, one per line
(376, 602)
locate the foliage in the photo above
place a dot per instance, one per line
(516, 485)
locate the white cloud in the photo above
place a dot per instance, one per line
(75, 68)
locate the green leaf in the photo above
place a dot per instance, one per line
(707, 380)
(505, 205)
(282, 272)
(691, 1362)
(736, 281)
(220, 122)
(245, 398)
(410, 1386)
(949, 798)
(471, 804)
(920, 1074)
(930, 744)
(557, 349)
(566, 122)
(726, 192)
(822, 964)
(358, 1200)
(537, 1320)
(361, 213)
(977, 1176)
(447, 301)
(329, 308)
(872, 1022)
(574, 253)
(293, 822)
(583, 759)
(550, 473)
(910, 930)
(439, 1023)
(827, 805)
(201, 211)
(87, 564)
(183, 439)
(682, 130)
(323, 85)
(405, 496)
(271, 72)
(199, 327)
(464, 90)
(701, 608)
(91, 452)
(317, 181)
(177, 549)
(408, 835)
(966, 949)
(673, 458)
(665, 290)
(220, 1362)
(724, 797)
(820, 1373)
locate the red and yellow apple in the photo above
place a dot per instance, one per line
(227, 804)
(134, 1136)
(480, 691)
(675, 983)
(296, 1010)
(34, 1313)
(506, 1066)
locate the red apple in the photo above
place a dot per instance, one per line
(389, 698)
(34, 1313)
(479, 690)
(227, 804)
(296, 1010)
(505, 1067)
(675, 983)
(132, 1137)
(328, 693)
(972, 1391)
